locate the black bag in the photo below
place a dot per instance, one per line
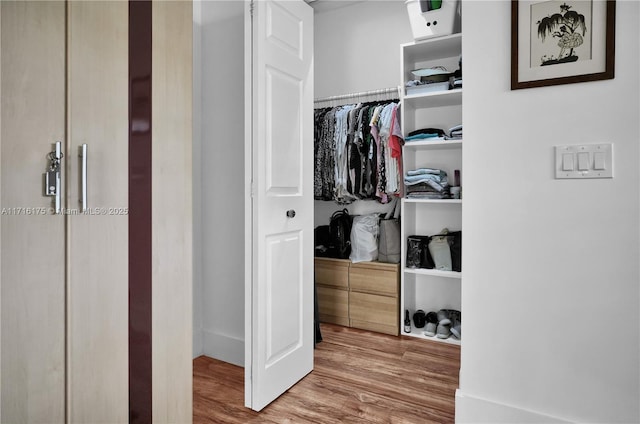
(340, 234)
(418, 255)
(455, 242)
(322, 240)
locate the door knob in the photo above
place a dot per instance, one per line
(291, 213)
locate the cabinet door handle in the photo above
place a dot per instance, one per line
(83, 177)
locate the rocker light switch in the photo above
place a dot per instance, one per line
(599, 161)
(567, 162)
(584, 161)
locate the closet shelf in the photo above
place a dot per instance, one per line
(433, 145)
(439, 201)
(419, 333)
(433, 272)
(432, 49)
(434, 99)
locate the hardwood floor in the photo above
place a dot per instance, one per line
(358, 377)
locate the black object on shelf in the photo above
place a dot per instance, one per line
(419, 318)
(407, 322)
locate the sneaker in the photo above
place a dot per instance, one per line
(430, 330)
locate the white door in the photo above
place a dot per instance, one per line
(279, 332)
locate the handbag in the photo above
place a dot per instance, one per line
(322, 241)
(340, 234)
(455, 241)
(440, 250)
(418, 255)
(389, 240)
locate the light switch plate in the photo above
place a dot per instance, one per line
(592, 160)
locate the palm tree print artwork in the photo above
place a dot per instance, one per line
(561, 32)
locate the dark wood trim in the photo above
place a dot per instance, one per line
(140, 265)
(514, 46)
(608, 73)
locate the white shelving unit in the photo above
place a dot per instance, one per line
(435, 99)
(430, 289)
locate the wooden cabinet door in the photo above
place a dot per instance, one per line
(64, 77)
(98, 101)
(32, 264)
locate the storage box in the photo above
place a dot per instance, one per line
(432, 23)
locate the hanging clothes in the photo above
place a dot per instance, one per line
(357, 152)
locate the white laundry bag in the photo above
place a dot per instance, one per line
(364, 238)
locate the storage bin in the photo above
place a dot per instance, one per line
(432, 23)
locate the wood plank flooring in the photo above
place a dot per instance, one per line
(358, 377)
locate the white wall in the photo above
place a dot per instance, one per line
(357, 48)
(550, 294)
(357, 45)
(221, 229)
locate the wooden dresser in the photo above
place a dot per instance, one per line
(361, 295)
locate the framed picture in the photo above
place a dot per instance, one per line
(561, 41)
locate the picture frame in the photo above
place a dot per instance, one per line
(557, 42)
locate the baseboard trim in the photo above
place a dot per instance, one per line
(223, 347)
(198, 345)
(472, 409)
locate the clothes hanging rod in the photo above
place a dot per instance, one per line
(379, 92)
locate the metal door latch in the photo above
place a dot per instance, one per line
(52, 176)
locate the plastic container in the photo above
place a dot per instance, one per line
(432, 23)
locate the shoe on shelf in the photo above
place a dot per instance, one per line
(443, 317)
(456, 331)
(444, 329)
(432, 317)
(431, 329)
(456, 324)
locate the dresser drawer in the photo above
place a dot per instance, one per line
(332, 272)
(333, 305)
(374, 312)
(374, 277)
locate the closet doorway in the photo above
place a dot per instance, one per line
(343, 63)
(256, 135)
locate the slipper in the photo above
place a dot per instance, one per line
(444, 330)
(432, 317)
(456, 331)
(456, 325)
(430, 330)
(443, 317)
(419, 318)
